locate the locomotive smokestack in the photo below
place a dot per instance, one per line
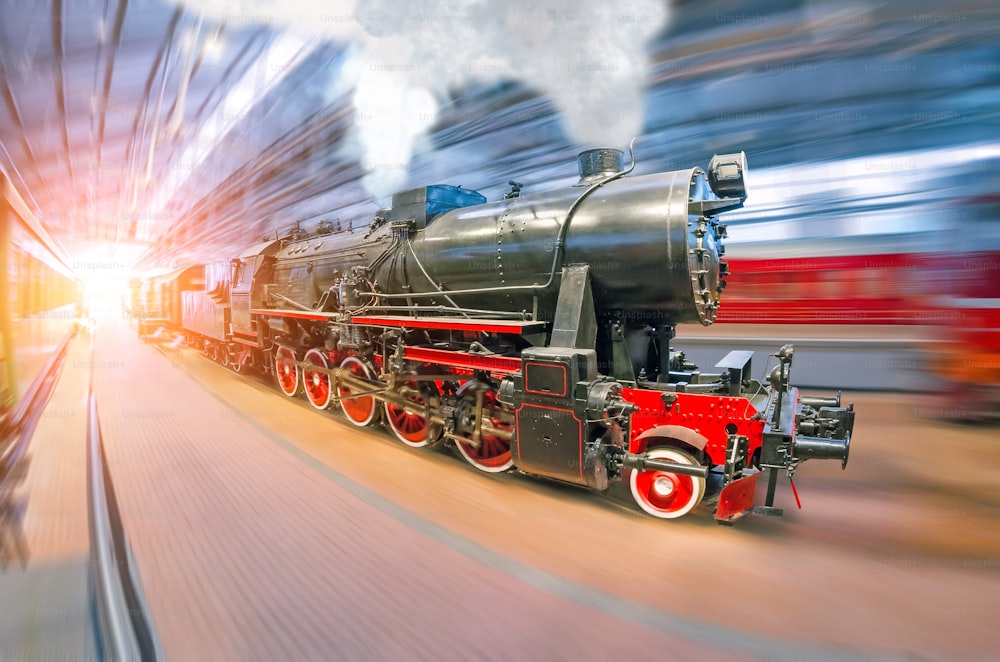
(598, 163)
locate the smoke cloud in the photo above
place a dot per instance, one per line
(587, 56)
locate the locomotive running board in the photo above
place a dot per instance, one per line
(466, 360)
(298, 314)
(520, 327)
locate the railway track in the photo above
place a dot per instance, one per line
(124, 628)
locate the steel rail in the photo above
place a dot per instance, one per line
(125, 630)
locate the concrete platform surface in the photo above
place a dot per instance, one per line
(264, 529)
(45, 603)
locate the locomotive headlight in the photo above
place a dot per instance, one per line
(726, 173)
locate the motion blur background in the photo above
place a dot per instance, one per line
(148, 135)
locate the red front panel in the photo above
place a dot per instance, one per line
(708, 415)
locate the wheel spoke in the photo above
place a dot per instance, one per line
(286, 372)
(317, 384)
(359, 411)
(410, 427)
(493, 454)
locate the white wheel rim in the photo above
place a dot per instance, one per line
(474, 461)
(314, 380)
(345, 404)
(666, 495)
(284, 366)
(392, 413)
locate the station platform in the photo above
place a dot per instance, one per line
(46, 610)
(249, 547)
(264, 529)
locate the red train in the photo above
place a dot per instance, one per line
(954, 296)
(531, 333)
(879, 288)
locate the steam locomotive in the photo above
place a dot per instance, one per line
(531, 333)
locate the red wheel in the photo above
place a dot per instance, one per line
(410, 427)
(236, 360)
(667, 495)
(359, 410)
(316, 383)
(286, 373)
(493, 454)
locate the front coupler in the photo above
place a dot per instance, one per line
(803, 428)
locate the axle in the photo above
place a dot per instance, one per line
(642, 463)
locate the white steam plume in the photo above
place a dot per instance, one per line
(588, 56)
